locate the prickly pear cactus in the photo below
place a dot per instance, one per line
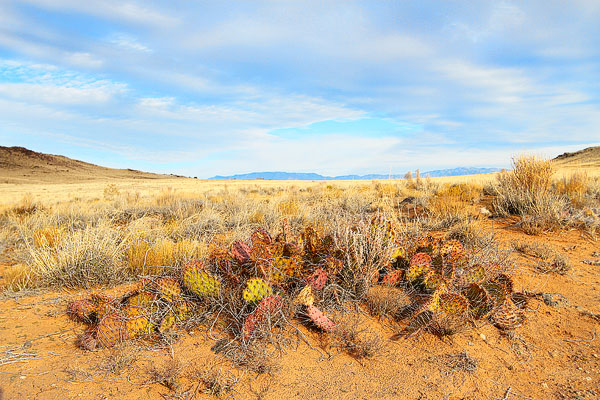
(260, 237)
(82, 309)
(453, 303)
(111, 330)
(168, 289)
(393, 277)
(305, 297)
(137, 323)
(256, 289)
(240, 252)
(450, 246)
(508, 316)
(201, 283)
(319, 319)
(142, 299)
(267, 306)
(420, 265)
(318, 279)
(479, 301)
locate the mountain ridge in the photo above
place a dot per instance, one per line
(281, 175)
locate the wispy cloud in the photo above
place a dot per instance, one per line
(213, 85)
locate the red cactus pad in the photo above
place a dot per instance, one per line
(318, 279)
(111, 330)
(393, 278)
(421, 260)
(241, 252)
(319, 319)
(260, 237)
(269, 305)
(193, 264)
(82, 309)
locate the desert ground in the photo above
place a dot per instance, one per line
(66, 239)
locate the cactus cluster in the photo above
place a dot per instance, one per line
(449, 286)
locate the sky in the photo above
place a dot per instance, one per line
(203, 88)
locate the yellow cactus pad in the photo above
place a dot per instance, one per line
(201, 283)
(305, 297)
(256, 289)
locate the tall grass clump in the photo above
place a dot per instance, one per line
(527, 191)
(82, 258)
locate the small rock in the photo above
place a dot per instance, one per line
(545, 385)
(482, 336)
(555, 300)
(485, 211)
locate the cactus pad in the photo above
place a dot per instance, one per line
(305, 297)
(136, 322)
(450, 246)
(319, 319)
(507, 316)
(473, 274)
(201, 283)
(478, 299)
(420, 264)
(453, 303)
(111, 330)
(240, 252)
(168, 289)
(318, 279)
(256, 289)
(393, 277)
(260, 237)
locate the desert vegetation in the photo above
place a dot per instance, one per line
(261, 268)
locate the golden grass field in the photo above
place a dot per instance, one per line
(535, 227)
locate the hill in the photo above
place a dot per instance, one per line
(21, 165)
(586, 158)
(284, 176)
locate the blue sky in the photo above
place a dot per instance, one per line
(334, 87)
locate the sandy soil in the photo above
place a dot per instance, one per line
(555, 355)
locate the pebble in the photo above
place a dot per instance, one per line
(545, 385)
(482, 336)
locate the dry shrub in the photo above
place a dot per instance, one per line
(26, 206)
(84, 258)
(46, 237)
(168, 374)
(216, 381)
(354, 338)
(146, 258)
(18, 277)
(575, 186)
(254, 356)
(111, 191)
(387, 301)
(386, 189)
(288, 207)
(453, 200)
(550, 260)
(470, 232)
(118, 360)
(527, 191)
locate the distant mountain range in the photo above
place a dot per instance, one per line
(299, 176)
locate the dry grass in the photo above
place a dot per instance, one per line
(168, 374)
(352, 337)
(549, 260)
(527, 191)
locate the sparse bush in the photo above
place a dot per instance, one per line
(84, 258)
(527, 191)
(354, 338)
(168, 374)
